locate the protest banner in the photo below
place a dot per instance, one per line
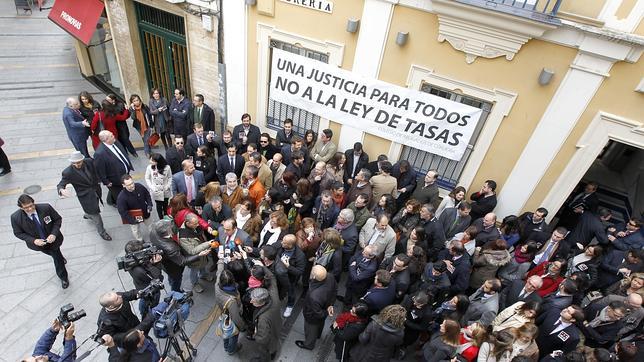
(411, 117)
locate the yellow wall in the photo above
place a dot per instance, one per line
(616, 95)
(625, 9)
(589, 8)
(519, 76)
(302, 21)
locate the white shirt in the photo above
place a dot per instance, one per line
(563, 325)
(118, 154)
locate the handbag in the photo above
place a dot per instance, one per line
(154, 138)
(226, 328)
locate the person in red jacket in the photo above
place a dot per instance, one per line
(106, 119)
(551, 274)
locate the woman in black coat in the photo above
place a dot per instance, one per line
(347, 327)
(206, 163)
(382, 336)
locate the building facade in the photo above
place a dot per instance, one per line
(559, 83)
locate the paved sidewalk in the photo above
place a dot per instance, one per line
(38, 71)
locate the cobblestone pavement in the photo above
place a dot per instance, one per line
(38, 70)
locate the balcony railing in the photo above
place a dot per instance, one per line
(539, 10)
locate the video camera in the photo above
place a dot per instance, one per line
(66, 316)
(171, 320)
(142, 257)
(148, 293)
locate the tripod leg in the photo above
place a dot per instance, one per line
(177, 349)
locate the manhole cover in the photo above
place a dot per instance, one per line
(30, 190)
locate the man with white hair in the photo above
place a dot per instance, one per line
(268, 324)
(76, 127)
(111, 163)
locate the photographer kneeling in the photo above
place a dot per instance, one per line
(116, 317)
(173, 261)
(46, 341)
(146, 269)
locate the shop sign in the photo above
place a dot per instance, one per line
(408, 116)
(319, 5)
(78, 18)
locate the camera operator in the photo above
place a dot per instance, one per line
(46, 341)
(143, 273)
(116, 317)
(173, 260)
(136, 345)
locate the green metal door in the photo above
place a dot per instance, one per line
(163, 42)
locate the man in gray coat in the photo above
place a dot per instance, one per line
(484, 304)
(268, 324)
(82, 175)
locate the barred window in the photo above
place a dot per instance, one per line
(449, 170)
(278, 111)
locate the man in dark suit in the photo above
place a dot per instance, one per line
(176, 154)
(484, 201)
(111, 163)
(518, 291)
(245, 134)
(196, 139)
(427, 191)
(455, 219)
(200, 112)
(434, 234)
(356, 160)
(296, 145)
(266, 148)
(374, 166)
(285, 135)
(586, 200)
(560, 299)
(590, 226)
(458, 267)
(533, 225)
(82, 175)
(558, 332)
(188, 182)
(229, 162)
(406, 176)
(39, 226)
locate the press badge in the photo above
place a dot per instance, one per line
(563, 336)
(582, 267)
(198, 163)
(47, 219)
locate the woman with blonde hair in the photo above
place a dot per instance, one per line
(453, 199)
(498, 347)
(274, 229)
(524, 342)
(634, 283)
(471, 339)
(444, 344)
(379, 340)
(206, 194)
(516, 315)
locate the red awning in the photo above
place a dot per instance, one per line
(77, 17)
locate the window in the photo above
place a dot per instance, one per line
(450, 171)
(278, 111)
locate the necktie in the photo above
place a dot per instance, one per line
(122, 158)
(522, 293)
(39, 227)
(199, 113)
(546, 254)
(232, 163)
(189, 188)
(199, 141)
(451, 228)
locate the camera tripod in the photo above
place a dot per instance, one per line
(174, 340)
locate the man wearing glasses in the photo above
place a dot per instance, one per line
(176, 154)
(39, 226)
(630, 237)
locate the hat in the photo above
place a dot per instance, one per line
(76, 156)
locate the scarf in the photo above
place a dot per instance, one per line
(345, 318)
(240, 219)
(229, 289)
(254, 282)
(274, 237)
(340, 227)
(521, 257)
(141, 118)
(602, 318)
(324, 254)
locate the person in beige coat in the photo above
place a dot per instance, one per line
(377, 232)
(192, 243)
(383, 183)
(264, 175)
(516, 315)
(325, 148)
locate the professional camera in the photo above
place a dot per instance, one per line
(141, 257)
(171, 320)
(66, 316)
(148, 293)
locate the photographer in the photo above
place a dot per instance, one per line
(173, 260)
(136, 345)
(46, 341)
(116, 317)
(143, 273)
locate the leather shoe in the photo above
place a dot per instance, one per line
(302, 345)
(106, 236)
(4, 172)
(64, 283)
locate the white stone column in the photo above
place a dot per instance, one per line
(374, 28)
(235, 57)
(578, 87)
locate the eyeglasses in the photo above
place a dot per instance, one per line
(263, 141)
(178, 143)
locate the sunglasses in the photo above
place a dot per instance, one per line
(178, 143)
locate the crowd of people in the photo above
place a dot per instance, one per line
(364, 244)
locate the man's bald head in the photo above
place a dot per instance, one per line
(318, 273)
(107, 300)
(634, 300)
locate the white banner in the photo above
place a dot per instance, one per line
(413, 118)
